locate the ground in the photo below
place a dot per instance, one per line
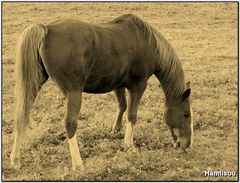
(205, 36)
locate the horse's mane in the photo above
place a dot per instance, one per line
(171, 71)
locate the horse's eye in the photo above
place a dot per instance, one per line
(186, 115)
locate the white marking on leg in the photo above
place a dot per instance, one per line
(75, 154)
(191, 125)
(15, 154)
(128, 139)
(117, 122)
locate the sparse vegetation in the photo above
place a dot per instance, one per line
(205, 38)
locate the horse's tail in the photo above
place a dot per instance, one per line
(29, 72)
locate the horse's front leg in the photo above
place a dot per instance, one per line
(74, 100)
(135, 94)
(122, 106)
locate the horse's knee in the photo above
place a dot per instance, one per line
(132, 118)
(71, 127)
(122, 107)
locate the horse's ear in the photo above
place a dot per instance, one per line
(186, 93)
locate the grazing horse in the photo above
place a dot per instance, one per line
(114, 56)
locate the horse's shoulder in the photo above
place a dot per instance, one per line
(125, 18)
(128, 16)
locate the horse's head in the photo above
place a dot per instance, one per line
(179, 118)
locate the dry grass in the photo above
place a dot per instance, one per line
(205, 37)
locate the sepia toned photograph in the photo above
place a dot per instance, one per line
(119, 91)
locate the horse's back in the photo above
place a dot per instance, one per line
(68, 31)
(100, 56)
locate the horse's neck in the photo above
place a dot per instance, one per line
(170, 72)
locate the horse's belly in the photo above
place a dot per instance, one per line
(102, 85)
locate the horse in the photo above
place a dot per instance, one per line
(118, 55)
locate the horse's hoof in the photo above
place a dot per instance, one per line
(176, 145)
(16, 165)
(115, 130)
(78, 169)
(129, 148)
(115, 133)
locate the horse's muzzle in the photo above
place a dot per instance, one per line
(181, 140)
(184, 142)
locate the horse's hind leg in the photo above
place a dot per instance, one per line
(20, 129)
(136, 93)
(122, 106)
(73, 109)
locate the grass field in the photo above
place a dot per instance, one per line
(205, 38)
